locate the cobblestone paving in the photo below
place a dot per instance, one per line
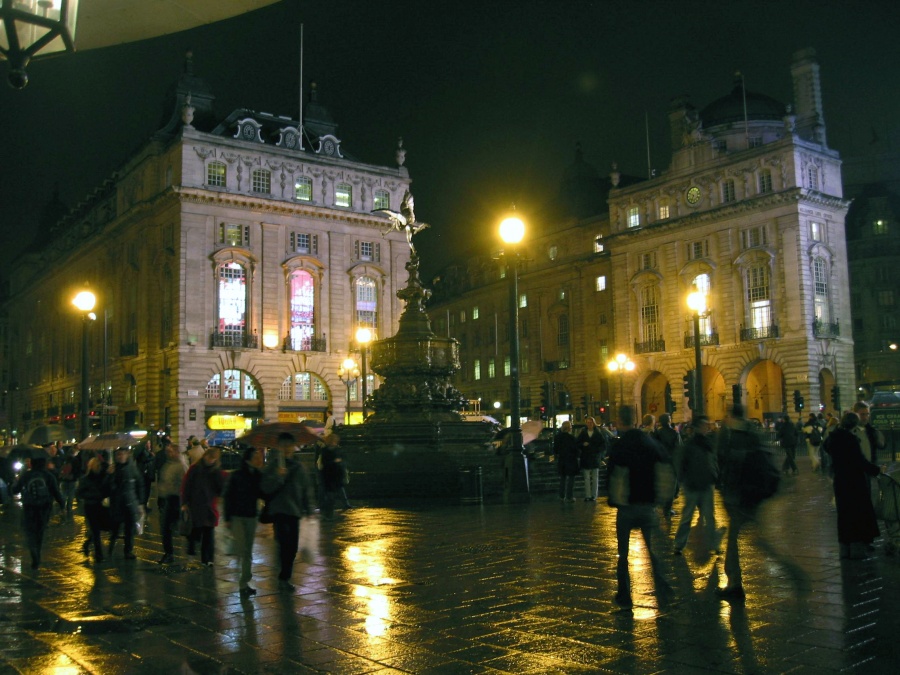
(523, 588)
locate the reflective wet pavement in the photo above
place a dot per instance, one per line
(468, 589)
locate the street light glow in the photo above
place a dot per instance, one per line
(697, 302)
(85, 301)
(363, 335)
(512, 230)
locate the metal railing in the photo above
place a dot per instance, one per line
(240, 340)
(763, 333)
(130, 349)
(706, 340)
(649, 346)
(822, 329)
(306, 344)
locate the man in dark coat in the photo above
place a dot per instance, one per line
(698, 470)
(856, 521)
(126, 494)
(788, 437)
(565, 448)
(241, 496)
(202, 486)
(638, 452)
(592, 448)
(670, 440)
(39, 489)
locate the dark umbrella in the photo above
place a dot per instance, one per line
(47, 433)
(108, 441)
(266, 435)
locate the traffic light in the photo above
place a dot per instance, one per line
(836, 397)
(546, 398)
(543, 411)
(670, 404)
(798, 401)
(585, 404)
(689, 388)
(563, 400)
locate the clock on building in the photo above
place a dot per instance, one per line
(249, 132)
(328, 148)
(693, 196)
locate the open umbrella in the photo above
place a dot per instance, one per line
(47, 433)
(108, 441)
(266, 435)
(531, 430)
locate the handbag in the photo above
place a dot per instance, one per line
(185, 524)
(619, 486)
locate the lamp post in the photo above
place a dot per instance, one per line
(512, 230)
(347, 372)
(697, 302)
(363, 338)
(45, 26)
(620, 364)
(84, 301)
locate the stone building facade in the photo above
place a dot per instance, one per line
(233, 262)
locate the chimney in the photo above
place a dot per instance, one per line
(808, 96)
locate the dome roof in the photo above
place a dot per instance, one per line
(730, 108)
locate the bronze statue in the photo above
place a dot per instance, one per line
(405, 220)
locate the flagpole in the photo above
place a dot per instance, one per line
(301, 88)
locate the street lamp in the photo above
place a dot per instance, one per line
(696, 301)
(512, 230)
(620, 364)
(363, 338)
(347, 372)
(44, 26)
(84, 301)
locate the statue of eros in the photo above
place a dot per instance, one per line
(405, 220)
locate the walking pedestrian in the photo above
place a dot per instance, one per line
(812, 432)
(670, 440)
(242, 495)
(285, 480)
(591, 448)
(788, 438)
(168, 497)
(39, 489)
(202, 486)
(567, 461)
(69, 473)
(698, 470)
(333, 474)
(126, 486)
(92, 490)
(639, 453)
(856, 522)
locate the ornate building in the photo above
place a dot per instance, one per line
(233, 261)
(751, 213)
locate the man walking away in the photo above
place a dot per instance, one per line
(592, 448)
(39, 489)
(698, 469)
(168, 494)
(241, 496)
(638, 452)
(787, 436)
(670, 440)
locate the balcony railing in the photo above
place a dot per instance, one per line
(130, 349)
(763, 333)
(306, 344)
(240, 340)
(649, 346)
(706, 340)
(822, 329)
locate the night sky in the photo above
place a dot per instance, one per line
(490, 97)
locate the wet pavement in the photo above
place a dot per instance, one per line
(524, 588)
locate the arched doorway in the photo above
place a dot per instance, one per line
(653, 395)
(764, 391)
(827, 393)
(714, 400)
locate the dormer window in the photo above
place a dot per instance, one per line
(634, 216)
(343, 195)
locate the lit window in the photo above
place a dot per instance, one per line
(462, 316)
(562, 294)
(880, 227)
(491, 368)
(728, 191)
(304, 387)
(215, 174)
(634, 216)
(366, 302)
(343, 195)
(663, 211)
(815, 231)
(812, 177)
(698, 249)
(820, 284)
(506, 369)
(261, 181)
(232, 384)
(601, 282)
(758, 298)
(553, 252)
(302, 242)
(474, 313)
(650, 328)
(233, 234)
(523, 301)
(382, 199)
(232, 305)
(765, 181)
(368, 250)
(477, 373)
(598, 244)
(302, 298)
(303, 189)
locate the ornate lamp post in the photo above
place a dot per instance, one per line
(84, 301)
(33, 26)
(347, 372)
(696, 301)
(363, 338)
(512, 230)
(620, 364)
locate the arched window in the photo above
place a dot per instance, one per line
(302, 291)
(234, 385)
(303, 387)
(759, 302)
(261, 181)
(650, 329)
(366, 302)
(232, 305)
(215, 174)
(382, 199)
(820, 295)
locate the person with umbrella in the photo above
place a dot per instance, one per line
(286, 482)
(39, 489)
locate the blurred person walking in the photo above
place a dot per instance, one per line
(92, 490)
(788, 438)
(638, 452)
(698, 470)
(39, 489)
(670, 440)
(286, 483)
(126, 486)
(567, 461)
(168, 496)
(242, 495)
(591, 448)
(202, 486)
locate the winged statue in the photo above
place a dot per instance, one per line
(404, 220)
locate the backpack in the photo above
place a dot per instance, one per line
(36, 492)
(815, 436)
(760, 476)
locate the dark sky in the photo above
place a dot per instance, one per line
(490, 97)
